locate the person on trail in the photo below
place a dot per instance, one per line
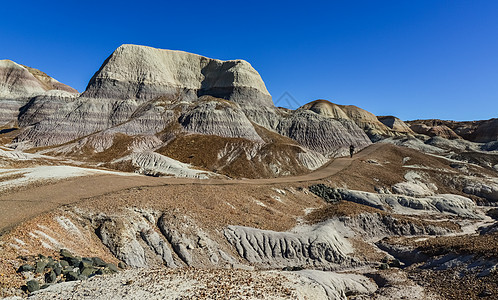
(351, 150)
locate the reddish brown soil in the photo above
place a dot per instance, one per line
(22, 205)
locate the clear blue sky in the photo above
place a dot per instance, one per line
(412, 59)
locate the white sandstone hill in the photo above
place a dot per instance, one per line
(204, 113)
(20, 83)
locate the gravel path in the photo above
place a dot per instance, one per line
(24, 204)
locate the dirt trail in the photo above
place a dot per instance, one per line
(20, 206)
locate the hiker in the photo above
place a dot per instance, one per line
(351, 150)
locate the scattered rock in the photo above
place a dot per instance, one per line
(72, 268)
(25, 268)
(294, 268)
(325, 192)
(112, 267)
(71, 276)
(98, 262)
(64, 264)
(88, 272)
(40, 266)
(32, 286)
(66, 253)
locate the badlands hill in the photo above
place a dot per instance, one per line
(280, 214)
(163, 112)
(474, 131)
(18, 84)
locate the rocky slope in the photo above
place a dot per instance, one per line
(373, 126)
(188, 230)
(20, 83)
(144, 73)
(362, 225)
(475, 131)
(145, 100)
(395, 124)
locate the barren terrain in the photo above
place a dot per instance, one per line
(34, 213)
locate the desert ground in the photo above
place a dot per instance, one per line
(41, 215)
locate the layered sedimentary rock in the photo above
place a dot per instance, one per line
(395, 124)
(218, 117)
(434, 129)
(53, 120)
(444, 203)
(319, 246)
(365, 120)
(18, 84)
(137, 82)
(138, 72)
(323, 134)
(485, 131)
(49, 83)
(476, 131)
(177, 100)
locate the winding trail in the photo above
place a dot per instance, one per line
(19, 206)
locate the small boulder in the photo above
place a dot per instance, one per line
(50, 277)
(395, 263)
(88, 272)
(87, 259)
(71, 276)
(50, 263)
(103, 271)
(85, 264)
(64, 264)
(112, 267)
(122, 265)
(58, 270)
(32, 286)
(66, 253)
(384, 266)
(40, 266)
(74, 261)
(98, 262)
(25, 268)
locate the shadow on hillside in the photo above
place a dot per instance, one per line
(7, 130)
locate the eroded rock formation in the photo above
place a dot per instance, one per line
(20, 83)
(475, 131)
(167, 97)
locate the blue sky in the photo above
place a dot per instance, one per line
(411, 59)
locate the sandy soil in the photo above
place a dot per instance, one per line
(188, 284)
(22, 205)
(217, 202)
